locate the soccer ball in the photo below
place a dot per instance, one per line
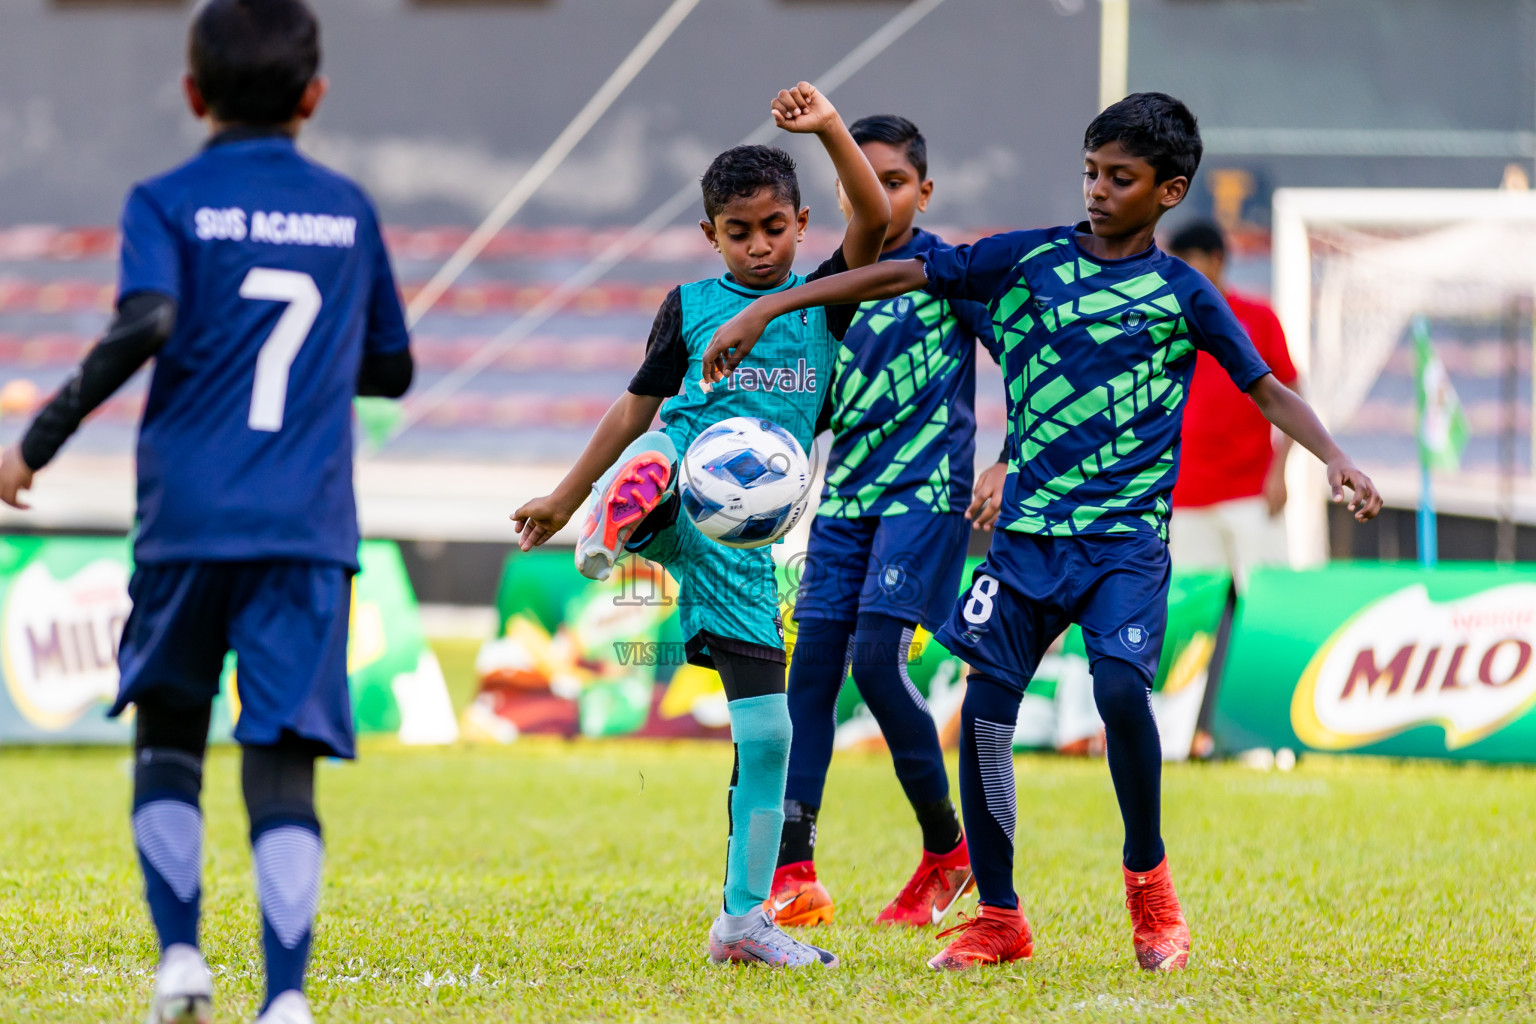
(745, 482)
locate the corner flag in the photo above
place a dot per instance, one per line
(1442, 426)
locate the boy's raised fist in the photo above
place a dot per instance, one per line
(803, 109)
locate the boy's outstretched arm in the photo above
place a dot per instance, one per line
(143, 324)
(735, 338)
(540, 519)
(805, 110)
(1290, 412)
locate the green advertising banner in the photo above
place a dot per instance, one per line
(1058, 711)
(574, 657)
(63, 604)
(1391, 660)
(562, 663)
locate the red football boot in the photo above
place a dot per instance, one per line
(797, 898)
(1159, 931)
(938, 883)
(993, 936)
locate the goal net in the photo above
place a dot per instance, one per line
(1354, 269)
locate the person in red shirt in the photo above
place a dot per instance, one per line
(1229, 499)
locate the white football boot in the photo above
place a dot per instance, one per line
(183, 988)
(288, 1008)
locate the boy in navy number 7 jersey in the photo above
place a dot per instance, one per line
(1099, 330)
(259, 283)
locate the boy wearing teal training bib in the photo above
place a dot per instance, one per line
(728, 597)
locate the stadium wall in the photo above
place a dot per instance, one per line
(438, 106)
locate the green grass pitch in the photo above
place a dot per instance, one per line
(575, 882)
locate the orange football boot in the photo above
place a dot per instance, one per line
(797, 898)
(1159, 931)
(994, 936)
(936, 886)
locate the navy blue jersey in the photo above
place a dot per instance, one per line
(904, 403)
(1097, 356)
(282, 283)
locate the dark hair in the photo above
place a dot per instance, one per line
(746, 170)
(1201, 236)
(1153, 126)
(894, 131)
(252, 59)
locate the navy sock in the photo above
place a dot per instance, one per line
(987, 792)
(168, 833)
(1135, 758)
(940, 823)
(816, 674)
(287, 855)
(286, 848)
(798, 842)
(168, 751)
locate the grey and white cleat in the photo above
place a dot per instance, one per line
(755, 939)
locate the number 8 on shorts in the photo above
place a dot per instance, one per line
(979, 606)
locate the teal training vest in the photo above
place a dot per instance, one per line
(783, 379)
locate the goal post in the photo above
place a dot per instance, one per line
(1352, 268)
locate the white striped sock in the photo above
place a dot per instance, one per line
(994, 752)
(843, 680)
(288, 880)
(170, 835)
(906, 678)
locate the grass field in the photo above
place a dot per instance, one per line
(564, 882)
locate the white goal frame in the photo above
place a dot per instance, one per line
(1295, 211)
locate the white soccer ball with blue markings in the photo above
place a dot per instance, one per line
(745, 482)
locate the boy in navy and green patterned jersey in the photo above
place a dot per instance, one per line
(728, 598)
(1099, 330)
(887, 549)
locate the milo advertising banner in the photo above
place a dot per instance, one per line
(1058, 711)
(63, 604)
(1384, 660)
(577, 658)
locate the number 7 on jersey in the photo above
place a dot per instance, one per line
(269, 394)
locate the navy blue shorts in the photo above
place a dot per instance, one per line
(285, 621)
(1030, 588)
(906, 566)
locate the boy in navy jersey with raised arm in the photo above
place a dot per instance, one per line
(258, 282)
(887, 549)
(1099, 330)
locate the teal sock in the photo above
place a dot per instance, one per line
(761, 730)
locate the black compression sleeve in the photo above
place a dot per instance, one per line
(839, 318)
(745, 675)
(385, 374)
(824, 414)
(666, 354)
(278, 782)
(143, 323)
